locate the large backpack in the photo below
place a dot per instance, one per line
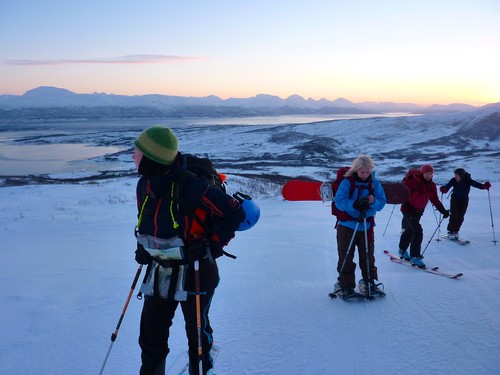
(409, 175)
(342, 215)
(203, 169)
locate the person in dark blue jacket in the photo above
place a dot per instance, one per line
(359, 195)
(459, 202)
(170, 242)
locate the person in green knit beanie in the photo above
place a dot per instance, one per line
(168, 197)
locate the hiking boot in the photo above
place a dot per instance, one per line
(453, 235)
(403, 254)
(417, 261)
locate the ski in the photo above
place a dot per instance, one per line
(434, 270)
(457, 241)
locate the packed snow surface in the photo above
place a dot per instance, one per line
(68, 264)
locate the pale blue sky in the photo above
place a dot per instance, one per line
(401, 51)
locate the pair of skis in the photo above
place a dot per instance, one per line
(433, 270)
(459, 241)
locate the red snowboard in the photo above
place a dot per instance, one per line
(300, 190)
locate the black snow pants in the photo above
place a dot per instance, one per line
(412, 235)
(458, 208)
(156, 319)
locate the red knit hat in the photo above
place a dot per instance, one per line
(426, 168)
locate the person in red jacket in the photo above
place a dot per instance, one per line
(422, 189)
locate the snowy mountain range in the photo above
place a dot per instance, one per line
(51, 103)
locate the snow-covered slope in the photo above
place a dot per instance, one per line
(67, 256)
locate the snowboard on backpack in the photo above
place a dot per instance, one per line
(302, 190)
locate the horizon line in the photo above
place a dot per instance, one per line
(256, 95)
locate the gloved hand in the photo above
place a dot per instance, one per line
(443, 190)
(142, 256)
(196, 250)
(362, 205)
(445, 213)
(487, 185)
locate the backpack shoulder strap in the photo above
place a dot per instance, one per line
(371, 189)
(352, 186)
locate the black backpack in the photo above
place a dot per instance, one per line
(203, 169)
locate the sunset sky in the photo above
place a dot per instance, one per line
(424, 52)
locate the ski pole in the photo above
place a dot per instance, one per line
(491, 215)
(349, 248)
(435, 216)
(437, 222)
(439, 230)
(367, 259)
(115, 333)
(390, 216)
(435, 230)
(198, 313)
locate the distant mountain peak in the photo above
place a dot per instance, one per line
(343, 101)
(47, 91)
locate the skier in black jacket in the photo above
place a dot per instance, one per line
(459, 202)
(168, 225)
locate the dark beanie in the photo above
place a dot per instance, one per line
(460, 171)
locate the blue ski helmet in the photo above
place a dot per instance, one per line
(251, 209)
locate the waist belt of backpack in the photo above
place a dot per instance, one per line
(174, 276)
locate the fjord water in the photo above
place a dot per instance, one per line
(52, 147)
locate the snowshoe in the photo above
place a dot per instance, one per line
(344, 293)
(326, 193)
(369, 289)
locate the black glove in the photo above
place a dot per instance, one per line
(142, 256)
(362, 205)
(445, 213)
(196, 250)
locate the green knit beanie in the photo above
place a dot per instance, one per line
(158, 144)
